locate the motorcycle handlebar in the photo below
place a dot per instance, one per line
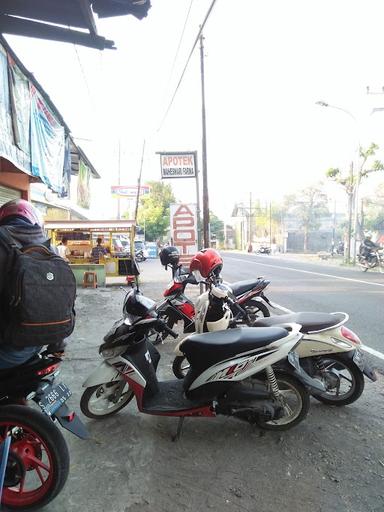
(164, 327)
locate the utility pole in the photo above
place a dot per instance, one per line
(350, 212)
(250, 221)
(118, 181)
(204, 151)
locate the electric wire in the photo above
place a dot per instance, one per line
(180, 41)
(84, 78)
(186, 65)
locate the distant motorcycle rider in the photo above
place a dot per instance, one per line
(24, 224)
(368, 247)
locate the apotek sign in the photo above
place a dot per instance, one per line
(178, 165)
(184, 230)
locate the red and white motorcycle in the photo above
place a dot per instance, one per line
(247, 298)
(231, 373)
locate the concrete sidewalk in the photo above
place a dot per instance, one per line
(331, 462)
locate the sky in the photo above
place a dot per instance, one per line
(267, 63)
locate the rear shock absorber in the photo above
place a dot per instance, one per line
(320, 364)
(273, 382)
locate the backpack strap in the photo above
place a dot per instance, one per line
(8, 241)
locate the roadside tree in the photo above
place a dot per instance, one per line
(154, 210)
(216, 227)
(308, 206)
(350, 181)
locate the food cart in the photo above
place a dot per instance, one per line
(82, 236)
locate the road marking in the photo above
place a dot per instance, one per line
(311, 272)
(370, 350)
(374, 352)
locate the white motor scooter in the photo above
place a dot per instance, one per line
(328, 351)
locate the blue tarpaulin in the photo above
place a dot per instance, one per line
(47, 143)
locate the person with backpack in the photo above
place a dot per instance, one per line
(37, 288)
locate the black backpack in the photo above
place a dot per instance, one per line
(38, 297)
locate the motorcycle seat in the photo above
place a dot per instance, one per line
(310, 322)
(203, 350)
(240, 287)
(7, 372)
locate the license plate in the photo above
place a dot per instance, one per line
(54, 399)
(359, 358)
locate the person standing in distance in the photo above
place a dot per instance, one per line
(63, 249)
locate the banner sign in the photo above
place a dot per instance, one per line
(129, 191)
(83, 190)
(66, 183)
(12, 97)
(178, 165)
(21, 105)
(47, 143)
(184, 230)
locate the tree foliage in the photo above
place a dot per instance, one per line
(374, 210)
(154, 210)
(366, 167)
(216, 227)
(308, 206)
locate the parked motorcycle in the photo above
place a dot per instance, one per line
(140, 256)
(264, 249)
(328, 351)
(231, 373)
(248, 301)
(373, 260)
(38, 461)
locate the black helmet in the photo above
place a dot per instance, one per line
(169, 256)
(137, 306)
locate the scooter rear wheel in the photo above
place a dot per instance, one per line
(343, 372)
(297, 401)
(99, 402)
(255, 309)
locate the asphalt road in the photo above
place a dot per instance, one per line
(302, 286)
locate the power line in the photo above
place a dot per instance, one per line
(180, 41)
(186, 65)
(84, 77)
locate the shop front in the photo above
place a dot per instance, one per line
(83, 236)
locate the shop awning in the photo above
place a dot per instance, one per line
(78, 154)
(59, 20)
(91, 225)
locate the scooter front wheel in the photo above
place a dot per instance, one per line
(105, 399)
(295, 401)
(180, 367)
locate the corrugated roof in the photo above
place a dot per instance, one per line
(53, 19)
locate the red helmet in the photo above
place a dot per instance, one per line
(21, 208)
(207, 262)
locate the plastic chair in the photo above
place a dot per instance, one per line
(90, 280)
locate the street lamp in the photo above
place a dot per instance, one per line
(352, 239)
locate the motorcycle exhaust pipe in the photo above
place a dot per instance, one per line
(265, 411)
(239, 394)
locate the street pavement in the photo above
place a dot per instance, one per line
(331, 462)
(302, 283)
